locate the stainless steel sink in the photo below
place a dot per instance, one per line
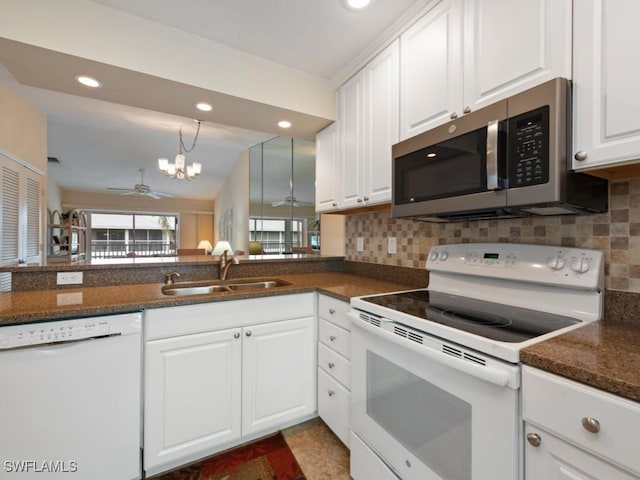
(203, 288)
(256, 285)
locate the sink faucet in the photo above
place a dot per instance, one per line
(169, 278)
(225, 264)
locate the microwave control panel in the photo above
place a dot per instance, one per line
(529, 148)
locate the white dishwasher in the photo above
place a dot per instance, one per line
(70, 402)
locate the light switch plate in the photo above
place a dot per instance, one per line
(392, 246)
(69, 278)
(360, 244)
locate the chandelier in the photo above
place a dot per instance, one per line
(178, 169)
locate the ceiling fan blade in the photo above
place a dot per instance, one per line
(162, 194)
(153, 195)
(131, 190)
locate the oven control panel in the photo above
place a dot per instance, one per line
(565, 266)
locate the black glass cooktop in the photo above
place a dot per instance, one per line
(487, 319)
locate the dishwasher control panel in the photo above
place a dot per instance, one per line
(57, 331)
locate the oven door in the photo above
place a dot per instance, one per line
(430, 415)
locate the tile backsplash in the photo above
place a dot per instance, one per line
(617, 233)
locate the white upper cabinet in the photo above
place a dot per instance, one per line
(431, 69)
(368, 109)
(326, 169)
(465, 54)
(606, 95)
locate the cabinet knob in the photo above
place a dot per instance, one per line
(332, 311)
(580, 156)
(590, 424)
(332, 338)
(331, 364)
(236, 335)
(534, 439)
(334, 204)
(359, 200)
(366, 199)
(467, 109)
(453, 115)
(331, 393)
(248, 334)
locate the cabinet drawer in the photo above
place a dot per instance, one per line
(365, 464)
(335, 337)
(334, 404)
(334, 310)
(334, 364)
(561, 406)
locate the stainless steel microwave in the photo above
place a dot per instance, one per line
(509, 159)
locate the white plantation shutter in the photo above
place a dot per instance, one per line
(10, 211)
(34, 209)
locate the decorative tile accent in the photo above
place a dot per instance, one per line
(616, 233)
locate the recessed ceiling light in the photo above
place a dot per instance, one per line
(284, 124)
(205, 107)
(357, 4)
(88, 81)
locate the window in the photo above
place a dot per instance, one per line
(277, 235)
(116, 235)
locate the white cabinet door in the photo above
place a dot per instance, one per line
(278, 379)
(352, 141)
(369, 111)
(554, 459)
(606, 123)
(382, 111)
(192, 396)
(327, 169)
(513, 45)
(431, 69)
(21, 203)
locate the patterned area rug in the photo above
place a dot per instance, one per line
(266, 459)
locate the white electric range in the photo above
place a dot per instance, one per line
(436, 371)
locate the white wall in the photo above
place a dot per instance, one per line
(235, 196)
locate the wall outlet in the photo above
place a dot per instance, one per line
(360, 244)
(69, 278)
(392, 246)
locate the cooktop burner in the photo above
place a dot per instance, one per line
(496, 321)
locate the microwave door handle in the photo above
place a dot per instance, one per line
(492, 155)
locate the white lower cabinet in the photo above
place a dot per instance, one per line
(575, 432)
(219, 374)
(334, 366)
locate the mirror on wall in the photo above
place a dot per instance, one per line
(282, 216)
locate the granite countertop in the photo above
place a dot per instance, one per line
(45, 305)
(604, 355)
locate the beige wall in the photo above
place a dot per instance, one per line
(132, 203)
(23, 130)
(332, 234)
(234, 197)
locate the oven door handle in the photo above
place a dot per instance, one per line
(485, 372)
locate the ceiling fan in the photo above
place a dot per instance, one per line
(290, 201)
(142, 189)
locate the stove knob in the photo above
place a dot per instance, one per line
(444, 256)
(556, 263)
(434, 256)
(580, 265)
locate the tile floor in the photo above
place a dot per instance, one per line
(318, 451)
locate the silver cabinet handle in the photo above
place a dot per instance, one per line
(332, 338)
(359, 200)
(236, 335)
(332, 311)
(580, 156)
(248, 334)
(366, 199)
(492, 155)
(331, 364)
(331, 393)
(334, 204)
(590, 424)
(453, 115)
(534, 439)
(467, 109)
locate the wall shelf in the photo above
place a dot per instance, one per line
(67, 236)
